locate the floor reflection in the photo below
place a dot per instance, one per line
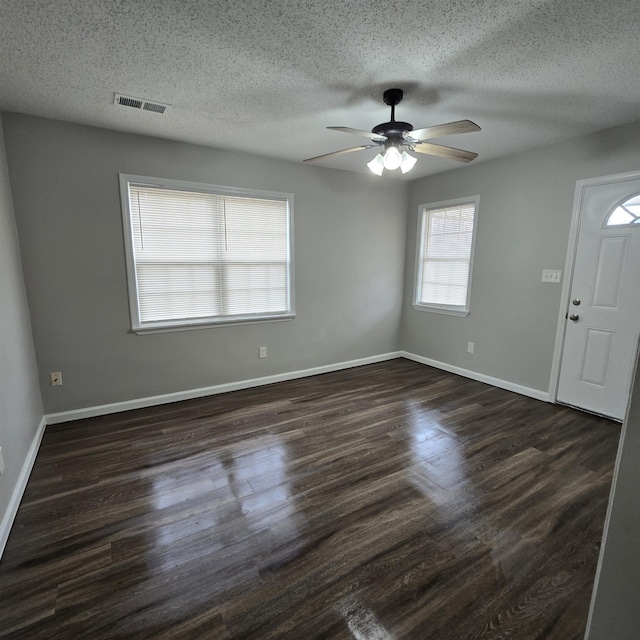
(463, 509)
(248, 504)
(361, 621)
(437, 455)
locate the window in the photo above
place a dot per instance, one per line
(200, 254)
(445, 256)
(626, 214)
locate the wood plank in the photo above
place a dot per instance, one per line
(391, 500)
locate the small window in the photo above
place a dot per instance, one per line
(445, 256)
(200, 255)
(625, 214)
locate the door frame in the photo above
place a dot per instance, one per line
(572, 246)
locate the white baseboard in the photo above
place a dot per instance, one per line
(480, 377)
(151, 401)
(16, 497)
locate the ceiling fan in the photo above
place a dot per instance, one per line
(396, 137)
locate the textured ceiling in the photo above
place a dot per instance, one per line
(267, 76)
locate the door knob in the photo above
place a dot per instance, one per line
(574, 317)
(576, 301)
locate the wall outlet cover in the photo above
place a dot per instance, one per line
(551, 275)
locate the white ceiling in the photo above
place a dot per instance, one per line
(267, 76)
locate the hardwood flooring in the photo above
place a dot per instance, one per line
(386, 502)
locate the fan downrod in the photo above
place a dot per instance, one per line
(393, 130)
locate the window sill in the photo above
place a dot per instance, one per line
(207, 324)
(461, 313)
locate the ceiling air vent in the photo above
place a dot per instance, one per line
(139, 103)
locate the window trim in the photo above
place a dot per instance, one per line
(451, 310)
(162, 326)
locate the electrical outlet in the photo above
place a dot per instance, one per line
(551, 275)
(56, 378)
(1, 462)
(471, 346)
(263, 352)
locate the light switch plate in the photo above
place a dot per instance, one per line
(551, 275)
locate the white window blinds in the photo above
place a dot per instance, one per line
(445, 253)
(201, 256)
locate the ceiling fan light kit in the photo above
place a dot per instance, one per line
(396, 137)
(391, 160)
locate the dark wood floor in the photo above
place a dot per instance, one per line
(383, 502)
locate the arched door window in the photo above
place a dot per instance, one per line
(625, 214)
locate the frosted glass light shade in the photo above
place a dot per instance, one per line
(392, 159)
(407, 162)
(377, 165)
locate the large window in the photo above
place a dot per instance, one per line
(445, 256)
(200, 254)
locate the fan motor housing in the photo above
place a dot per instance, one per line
(393, 129)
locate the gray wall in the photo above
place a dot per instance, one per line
(350, 235)
(615, 614)
(526, 202)
(20, 404)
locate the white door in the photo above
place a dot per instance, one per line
(603, 320)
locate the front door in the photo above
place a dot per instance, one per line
(603, 319)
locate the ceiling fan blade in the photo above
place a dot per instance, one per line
(441, 130)
(445, 152)
(338, 153)
(359, 132)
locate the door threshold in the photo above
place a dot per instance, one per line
(593, 413)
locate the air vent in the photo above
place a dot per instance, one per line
(129, 102)
(139, 103)
(155, 107)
